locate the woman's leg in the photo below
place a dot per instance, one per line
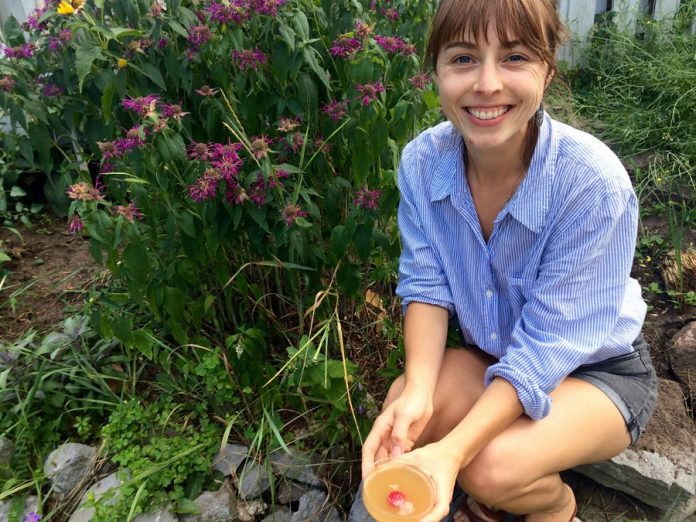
(518, 470)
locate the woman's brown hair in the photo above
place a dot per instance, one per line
(534, 23)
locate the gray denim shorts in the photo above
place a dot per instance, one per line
(629, 381)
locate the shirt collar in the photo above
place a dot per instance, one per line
(532, 199)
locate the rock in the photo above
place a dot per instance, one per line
(229, 458)
(296, 466)
(31, 505)
(290, 491)
(85, 511)
(253, 480)
(661, 469)
(682, 357)
(6, 449)
(214, 506)
(247, 511)
(358, 511)
(163, 515)
(282, 514)
(315, 506)
(67, 466)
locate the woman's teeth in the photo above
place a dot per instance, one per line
(488, 114)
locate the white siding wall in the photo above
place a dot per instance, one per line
(20, 9)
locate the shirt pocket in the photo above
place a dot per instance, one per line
(519, 292)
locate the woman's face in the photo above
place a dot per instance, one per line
(489, 91)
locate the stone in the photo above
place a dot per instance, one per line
(6, 450)
(229, 458)
(296, 466)
(253, 481)
(358, 511)
(162, 515)
(281, 514)
(214, 506)
(67, 466)
(315, 505)
(31, 504)
(661, 469)
(85, 511)
(247, 511)
(290, 491)
(682, 357)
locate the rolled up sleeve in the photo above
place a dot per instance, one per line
(574, 303)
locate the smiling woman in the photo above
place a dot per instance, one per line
(522, 230)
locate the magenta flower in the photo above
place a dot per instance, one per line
(74, 227)
(345, 47)
(288, 124)
(162, 43)
(226, 160)
(205, 188)
(369, 91)
(33, 20)
(234, 193)
(234, 12)
(267, 7)
(125, 145)
(249, 58)
(391, 14)
(7, 83)
(107, 167)
(366, 198)
(199, 151)
(199, 36)
(291, 212)
(257, 193)
(130, 211)
(420, 81)
(143, 106)
(173, 110)
(296, 141)
(138, 135)
(108, 149)
(362, 30)
(65, 35)
(22, 51)
(335, 110)
(54, 45)
(321, 144)
(51, 90)
(394, 45)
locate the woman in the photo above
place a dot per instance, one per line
(523, 229)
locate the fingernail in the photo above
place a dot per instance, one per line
(396, 450)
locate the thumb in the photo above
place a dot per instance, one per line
(399, 438)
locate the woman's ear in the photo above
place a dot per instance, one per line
(549, 77)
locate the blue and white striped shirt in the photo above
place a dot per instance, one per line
(551, 289)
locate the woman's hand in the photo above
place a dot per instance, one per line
(442, 463)
(397, 428)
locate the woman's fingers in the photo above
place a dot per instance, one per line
(378, 438)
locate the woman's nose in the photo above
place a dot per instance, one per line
(488, 80)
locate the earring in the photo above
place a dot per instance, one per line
(539, 116)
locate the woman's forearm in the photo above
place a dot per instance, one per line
(425, 336)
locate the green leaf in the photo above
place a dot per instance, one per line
(287, 35)
(84, 58)
(178, 28)
(363, 241)
(106, 100)
(309, 54)
(301, 25)
(17, 192)
(122, 32)
(151, 72)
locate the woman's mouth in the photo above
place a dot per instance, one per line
(489, 113)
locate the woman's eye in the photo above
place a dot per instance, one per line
(462, 59)
(516, 58)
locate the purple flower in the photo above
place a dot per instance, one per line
(199, 151)
(76, 225)
(51, 90)
(345, 47)
(234, 12)
(33, 19)
(420, 81)
(108, 149)
(267, 7)
(394, 45)
(335, 110)
(7, 83)
(142, 106)
(173, 110)
(366, 198)
(198, 36)
(162, 43)
(54, 45)
(291, 212)
(260, 146)
(205, 188)
(65, 35)
(138, 135)
(207, 91)
(22, 51)
(249, 58)
(362, 30)
(226, 160)
(234, 193)
(391, 13)
(369, 91)
(81, 191)
(124, 146)
(107, 167)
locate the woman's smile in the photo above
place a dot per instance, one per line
(488, 116)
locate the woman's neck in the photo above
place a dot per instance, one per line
(493, 166)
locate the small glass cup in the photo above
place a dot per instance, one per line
(398, 492)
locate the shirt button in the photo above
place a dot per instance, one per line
(489, 293)
(494, 336)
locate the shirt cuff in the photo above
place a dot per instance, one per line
(427, 300)
(535, 401)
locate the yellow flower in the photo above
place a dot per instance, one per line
(122, 63)
(67, 7)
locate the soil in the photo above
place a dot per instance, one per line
(51, 274)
